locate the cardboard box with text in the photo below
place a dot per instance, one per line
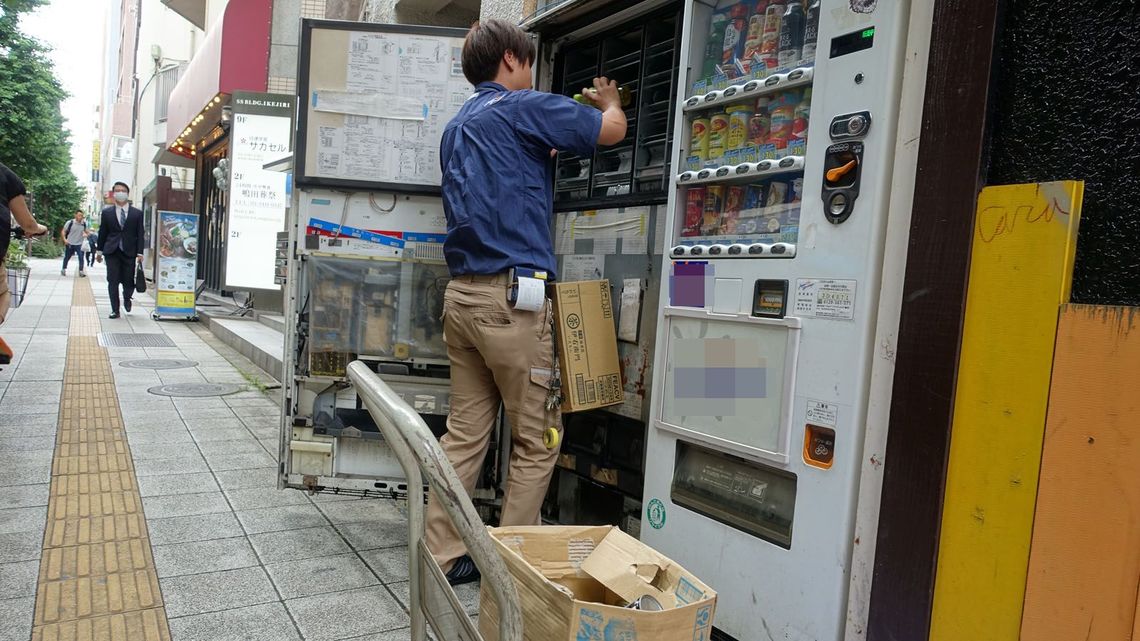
(574, 582)
(587, 346)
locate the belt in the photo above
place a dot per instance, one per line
(502, 278)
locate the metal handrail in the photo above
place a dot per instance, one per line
(418, 451)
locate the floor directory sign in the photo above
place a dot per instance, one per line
(177, 263)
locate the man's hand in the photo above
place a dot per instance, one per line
(138, 259)
(38, 230)
(605, 93)
(98, 257)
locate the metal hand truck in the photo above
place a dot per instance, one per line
(431, 598)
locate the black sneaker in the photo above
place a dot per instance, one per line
(464, 571)
(113, 315)
(127, 305)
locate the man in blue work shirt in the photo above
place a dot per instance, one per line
(497, 157)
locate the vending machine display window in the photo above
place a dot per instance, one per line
(641, 56)
(747, 111)
(730, 381)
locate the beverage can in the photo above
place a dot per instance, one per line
(777, 193)
(783, 110)
(739, 117)
(699, 141)
(733, 203)
(694, 209)
(792, 35)
(800, 116)
(714, 205)
(795, 190)
(735, 32)
(811, 31)
(753, 197)
(718, 134)
(647, 603)
(754, 40)
(760, 125)
(770, 39)
(715, 45)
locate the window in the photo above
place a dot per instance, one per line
(164, 84)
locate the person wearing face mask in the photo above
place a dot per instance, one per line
(121, 245)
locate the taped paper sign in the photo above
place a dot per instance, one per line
(630, 310)
(577, 268)
(369, 104)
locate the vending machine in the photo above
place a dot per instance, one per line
(776, 240)
(364, 269)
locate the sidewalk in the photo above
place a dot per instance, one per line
(129, 515)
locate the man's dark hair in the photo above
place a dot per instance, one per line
(487, 43)
(121, 184)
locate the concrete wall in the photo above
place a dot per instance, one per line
(176, 39)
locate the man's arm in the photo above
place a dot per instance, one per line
(103, 227)
(141, 235)
(614, 124)
(24, 218)
(63, 233)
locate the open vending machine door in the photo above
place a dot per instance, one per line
(366, 273)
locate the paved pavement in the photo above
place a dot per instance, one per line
(234, 557)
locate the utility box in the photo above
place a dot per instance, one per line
(578, 582)
(587, 346)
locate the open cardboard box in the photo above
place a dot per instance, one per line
(573, 584)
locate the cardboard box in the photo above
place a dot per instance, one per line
(587, 346)
(573, 583)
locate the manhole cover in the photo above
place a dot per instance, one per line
(135, 340)
(158, 363)
(194, 389)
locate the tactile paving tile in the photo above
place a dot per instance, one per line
(97, 579)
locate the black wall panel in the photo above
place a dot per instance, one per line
(1066, 105)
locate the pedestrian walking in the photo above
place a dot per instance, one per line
(88, 253)
(92, 247)
(497, 156)
(73, 234)
(121, 245)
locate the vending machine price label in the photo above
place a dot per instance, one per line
(825, 298)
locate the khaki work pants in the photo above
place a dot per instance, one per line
(498, 354)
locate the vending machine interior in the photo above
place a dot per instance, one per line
(609, 211)
(364, 267)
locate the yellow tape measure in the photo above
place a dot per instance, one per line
(551, 438)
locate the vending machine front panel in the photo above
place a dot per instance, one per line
(776, 234)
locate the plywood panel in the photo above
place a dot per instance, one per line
(1084, 565)
(1021, 265)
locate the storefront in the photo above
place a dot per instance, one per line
(234, 57)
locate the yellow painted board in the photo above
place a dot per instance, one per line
(1021, 268)
(1084, 565)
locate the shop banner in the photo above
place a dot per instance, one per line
(262, 133)
(177, 263)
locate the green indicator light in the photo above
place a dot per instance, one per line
(869, 33)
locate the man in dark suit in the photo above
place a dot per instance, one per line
(121, 241)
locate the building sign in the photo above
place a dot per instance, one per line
(262, 132)
(177, 263)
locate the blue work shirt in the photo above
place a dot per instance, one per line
(498, 176)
